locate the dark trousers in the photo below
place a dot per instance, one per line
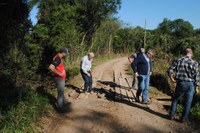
(186, 89)
(60, 84)
(88, 81)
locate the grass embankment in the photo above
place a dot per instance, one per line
(23, 107)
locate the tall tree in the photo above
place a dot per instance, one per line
(92, 12)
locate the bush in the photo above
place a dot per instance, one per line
(72, 72)
(22, 116)
(195, 111)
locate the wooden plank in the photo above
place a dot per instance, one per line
(166, 103)
(164, 98)
(129, 94)
(133, 92)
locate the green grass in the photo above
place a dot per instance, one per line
(23, 116)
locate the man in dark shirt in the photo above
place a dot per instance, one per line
(142, 67)
(131, 59)
(58, 68)
(186, 72)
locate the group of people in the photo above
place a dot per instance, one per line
(57, 67)
(183, 71)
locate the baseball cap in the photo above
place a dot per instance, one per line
(64, 50)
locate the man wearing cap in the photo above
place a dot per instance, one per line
(142, 67)
(86, 64)
(131, 59)
(57, 67)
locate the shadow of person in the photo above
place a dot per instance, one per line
(78, 90)
(52, 100)
(111, 95)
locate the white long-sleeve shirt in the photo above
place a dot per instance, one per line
(86, 64)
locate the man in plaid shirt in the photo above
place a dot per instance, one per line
(185, 73)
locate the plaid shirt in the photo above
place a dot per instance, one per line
(185, 69)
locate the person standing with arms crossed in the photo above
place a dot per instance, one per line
(86, 65)
(57, 67)
(142, 67)
(185, 72)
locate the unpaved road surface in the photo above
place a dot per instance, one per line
(112, 109)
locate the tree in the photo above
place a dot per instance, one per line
(14, 25)
(103, 37)
(92, 12)
(128, 39)
(165, 27)
(181, 28)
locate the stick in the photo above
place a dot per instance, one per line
(129, 86)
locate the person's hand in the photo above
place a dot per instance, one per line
(172, 79)
(150, 73)
(197, 90)
(62, 74)
(136, 74)
(88, 74)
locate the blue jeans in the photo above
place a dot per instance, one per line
(88, 81)
(143, 86)
(186, 89)
(60, 84)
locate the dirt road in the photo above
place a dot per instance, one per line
(112, 109)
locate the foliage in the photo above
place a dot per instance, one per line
(22, 116)
(195, 111)
(92, 12)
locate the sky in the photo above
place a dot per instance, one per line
(33, 15)
(135, 12)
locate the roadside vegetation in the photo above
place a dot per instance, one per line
(26, 51)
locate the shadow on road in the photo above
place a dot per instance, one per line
(111, 95)
(77, 89)
(111, 124)
(52, 100)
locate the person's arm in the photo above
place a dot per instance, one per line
(53, 69)
(196, 76)
(130, 59)
(150, 67)
(171, 71)
(56, 63)
(134, 65)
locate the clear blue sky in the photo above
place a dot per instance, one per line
(134, 12)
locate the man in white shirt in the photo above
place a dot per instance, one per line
(86, 64)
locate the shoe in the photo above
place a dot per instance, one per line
(58, 106)
(171, 117)
(66, 103)
(184, 120)
(90, 92)
(137, 99)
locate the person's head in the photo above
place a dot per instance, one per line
(149, 53)
(189, 52)
(64, 52)
(90, 55)
(142, 50)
